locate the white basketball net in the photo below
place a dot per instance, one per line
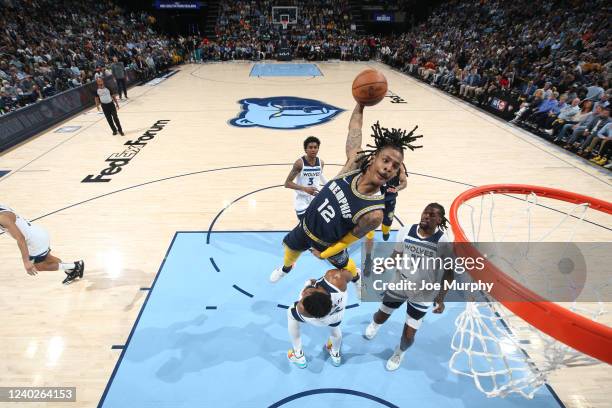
(499, 350)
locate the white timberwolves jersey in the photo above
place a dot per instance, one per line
(334, 318)
(411, 244)
(36, 237)
(310, 176)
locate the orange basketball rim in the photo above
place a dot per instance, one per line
(576, 331)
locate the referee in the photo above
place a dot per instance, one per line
(108, 101)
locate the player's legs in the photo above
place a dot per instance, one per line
(295, 242)
(386, 309)
(414, 317)
(407, 337)
(296, 354)
(369, 246)
(334, 343)
(48, 262)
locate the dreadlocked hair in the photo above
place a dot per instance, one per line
(383, 137)
(444, 221)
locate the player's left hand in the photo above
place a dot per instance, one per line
(30, 268)
(439, 305)
(391, 190)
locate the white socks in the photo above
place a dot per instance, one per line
(67, 266)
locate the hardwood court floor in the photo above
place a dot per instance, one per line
(196, 166)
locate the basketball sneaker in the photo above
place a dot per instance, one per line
(72, 274)
(299, 361)
(336, 360)
(386, 237)
(371, 330)
(80, 267)
(277, 274)
(395, 360)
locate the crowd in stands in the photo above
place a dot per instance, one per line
(247, 30)
(553, 57)
(49, 46)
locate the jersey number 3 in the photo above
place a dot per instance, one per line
(326, 211)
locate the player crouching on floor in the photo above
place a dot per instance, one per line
(322, 303)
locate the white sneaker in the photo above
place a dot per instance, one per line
(277, 274)
(336, 359)
(299, 361)
(395, 360)
(548, 131)
(371, 330)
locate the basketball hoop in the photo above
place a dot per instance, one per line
(483, 335)
(284, 20)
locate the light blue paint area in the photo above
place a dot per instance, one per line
(182, 355)
(285, 70)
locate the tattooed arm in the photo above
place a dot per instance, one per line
(353, 140)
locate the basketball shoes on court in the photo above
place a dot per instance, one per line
(77, 272)
(277, 274)
(395, 360)
(371, 330)
(299, 361)
(335, 358)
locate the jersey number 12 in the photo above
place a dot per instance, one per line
(326, 211)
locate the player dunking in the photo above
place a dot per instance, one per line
(351, 205)
(33, 243)
(308, 170)
(426, 237)
(322, 303)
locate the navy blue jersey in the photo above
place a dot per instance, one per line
(334, 212)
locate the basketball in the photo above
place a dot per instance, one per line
(369, 87)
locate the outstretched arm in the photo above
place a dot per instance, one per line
(353, 139)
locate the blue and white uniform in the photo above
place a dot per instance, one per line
(412, 244)
(334, 318)
(37, 238)
(310, 176)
